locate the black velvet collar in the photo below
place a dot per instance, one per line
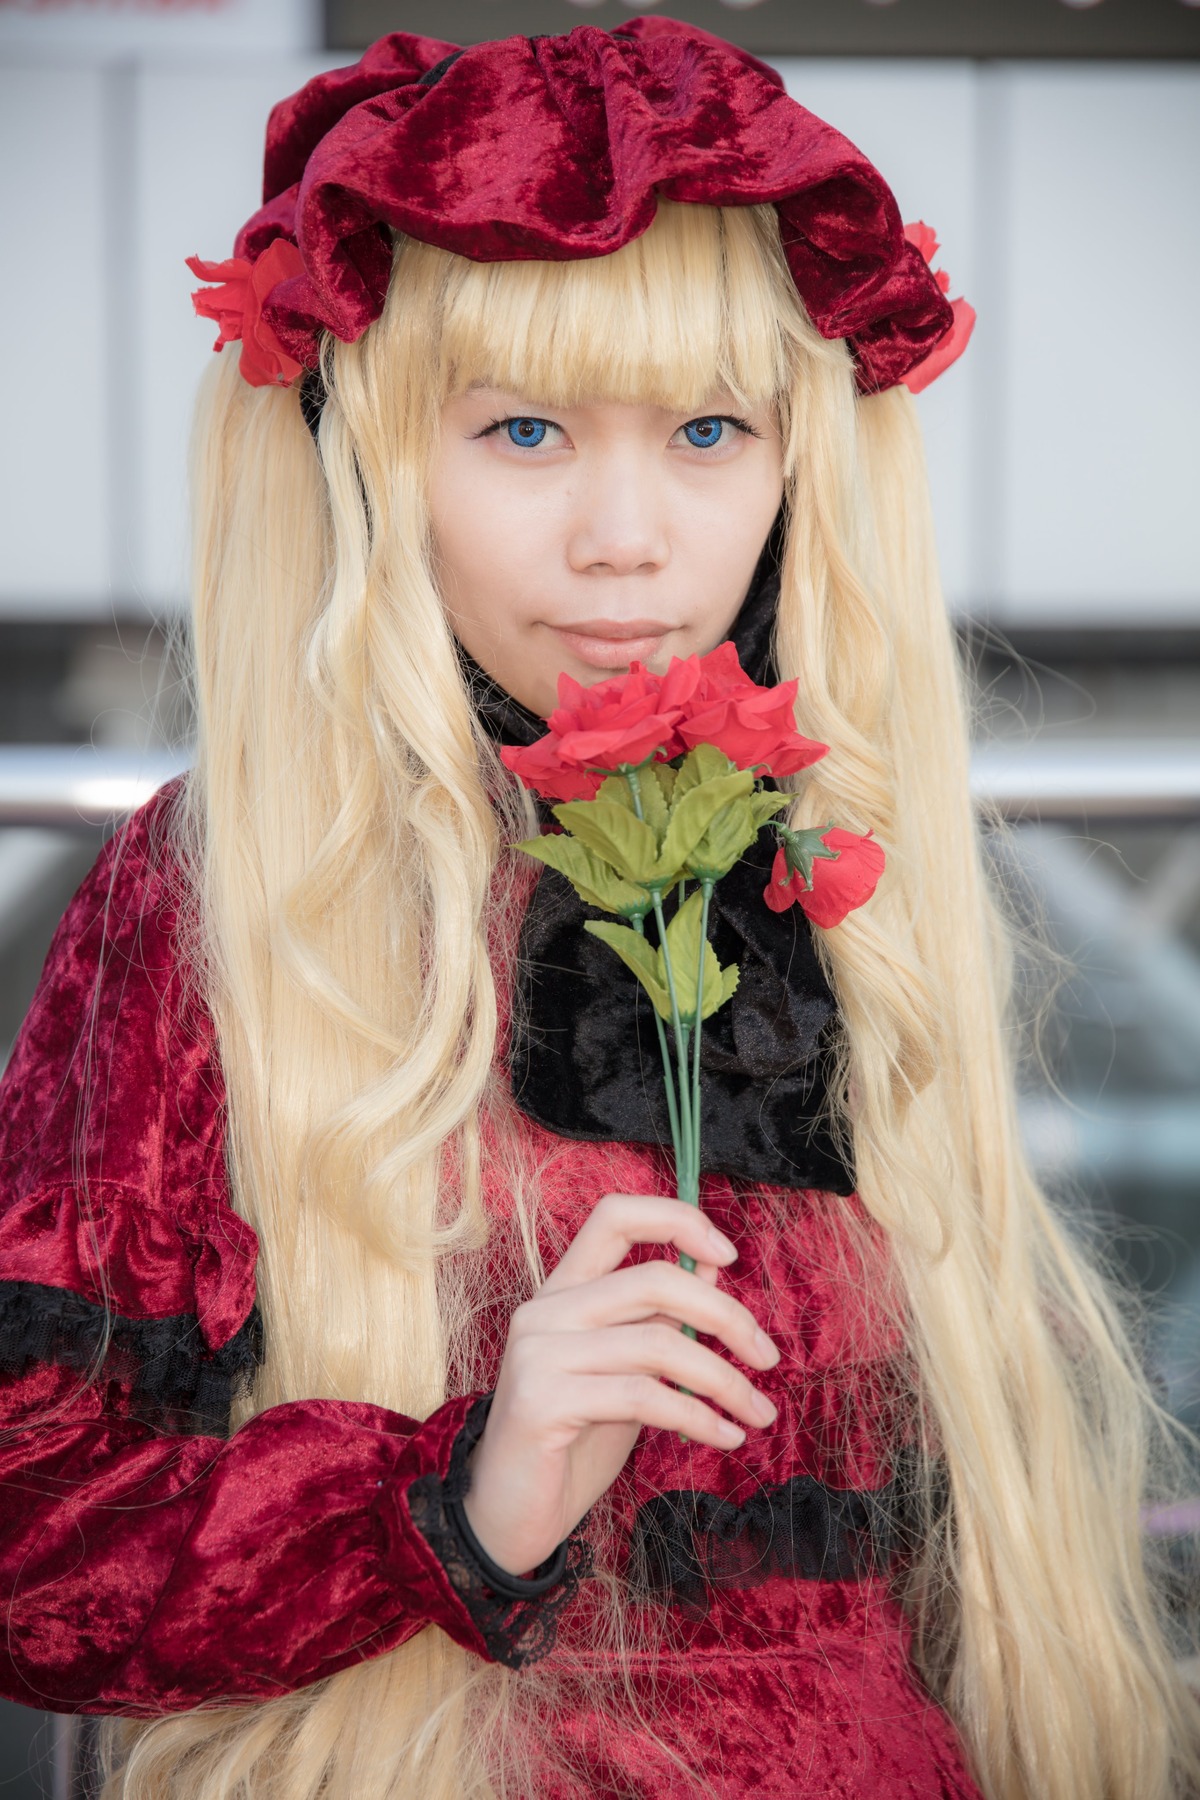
(584, 1055)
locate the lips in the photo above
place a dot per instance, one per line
(612, 643)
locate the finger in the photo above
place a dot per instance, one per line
(634, 1295)
(641, 1400)
(655, 1348)
(619, 1221)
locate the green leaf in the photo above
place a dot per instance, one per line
(664, 774)
(683, 943)
(701, 764)
(616, 789)
(593, 880)
(653, 799)
(692, 815)
(638, 956)
(655, 781)
(768, 805)
(624, 842)
(731, 833)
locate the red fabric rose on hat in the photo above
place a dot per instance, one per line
(237, 304)
(717, 703)
(617, 721)
(835, 887)
(951, 347)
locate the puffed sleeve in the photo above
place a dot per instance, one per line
(149, 1561)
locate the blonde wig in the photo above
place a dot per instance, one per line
(347, 840)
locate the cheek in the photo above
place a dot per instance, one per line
(723, 544)
(480, 544)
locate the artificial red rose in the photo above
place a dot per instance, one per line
(951, 347)
(837, 886)
(717, 703)
(690, 679)
(541, 769)
(236, 305)
(615, 721)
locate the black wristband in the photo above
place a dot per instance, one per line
(513, 1587)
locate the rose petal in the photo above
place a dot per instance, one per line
(226, 303)
(781, 891)
(946, 352)
(264, 361)
(924, 238)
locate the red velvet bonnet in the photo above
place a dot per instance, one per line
(552, 148)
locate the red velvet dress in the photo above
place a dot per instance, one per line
(150, 1561)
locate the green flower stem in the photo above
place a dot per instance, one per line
(687, 1174)
(684, 1134)
(706, 888)
(639, 925)
(685, 1124)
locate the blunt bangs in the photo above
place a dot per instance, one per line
(701, 303)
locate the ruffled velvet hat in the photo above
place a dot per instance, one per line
(552, 148)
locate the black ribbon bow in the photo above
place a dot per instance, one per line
(585, 1059)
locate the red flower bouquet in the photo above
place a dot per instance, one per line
(660, 781)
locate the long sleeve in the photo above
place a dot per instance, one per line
(149, 1561)
(148, 1574)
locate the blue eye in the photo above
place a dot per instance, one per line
(527, 432)
(703, 432)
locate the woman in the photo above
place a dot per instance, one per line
(549, 349)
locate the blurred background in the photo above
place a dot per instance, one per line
(1053, 144)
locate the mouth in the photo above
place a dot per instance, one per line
(613, 643)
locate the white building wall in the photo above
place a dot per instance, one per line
(1063, 451)
(54, 327)
(1100, 452)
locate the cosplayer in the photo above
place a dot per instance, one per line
(354, 1449)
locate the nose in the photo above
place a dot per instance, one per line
(618, 524)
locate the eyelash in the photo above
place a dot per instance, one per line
(738, 424)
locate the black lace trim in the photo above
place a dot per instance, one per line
(177, 1384)
(517, 1615)
(685, 1542)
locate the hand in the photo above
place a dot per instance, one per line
(587, 1363)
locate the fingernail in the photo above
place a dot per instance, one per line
(764, 1346)
(733, 1434)
(720, 1242)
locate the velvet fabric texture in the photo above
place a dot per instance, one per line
(148, 1570)
(555, 148)
(793, 1691)
(585, 1059)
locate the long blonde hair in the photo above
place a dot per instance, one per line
(347, 838)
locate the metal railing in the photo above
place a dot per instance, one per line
(67, 786)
